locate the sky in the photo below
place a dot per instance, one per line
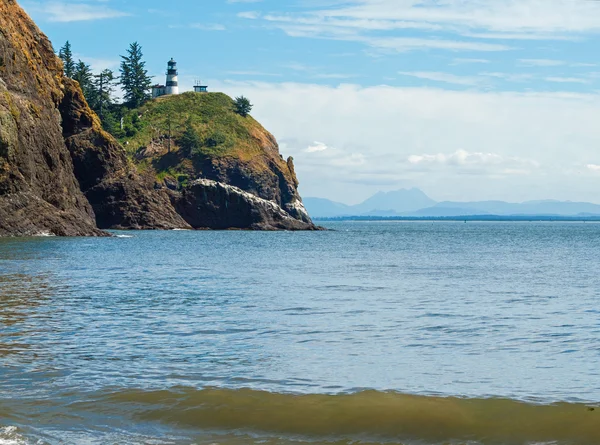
(465, 99)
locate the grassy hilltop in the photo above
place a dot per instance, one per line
(222, 136)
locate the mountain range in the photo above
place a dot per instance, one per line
(415, 203)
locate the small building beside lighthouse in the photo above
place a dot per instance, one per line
(172, 85)
(199, 88)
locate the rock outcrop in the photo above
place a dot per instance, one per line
(233, 150)
(206, 203)
(39, 193)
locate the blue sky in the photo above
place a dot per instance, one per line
(466, 99)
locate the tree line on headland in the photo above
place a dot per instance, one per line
(99, 89)
(134, 81)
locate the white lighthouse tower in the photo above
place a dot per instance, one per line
(172, 83)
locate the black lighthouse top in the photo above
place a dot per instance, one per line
(172, 67)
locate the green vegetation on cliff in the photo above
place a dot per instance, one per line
(175, 135)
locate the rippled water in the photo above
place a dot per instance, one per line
(369, 333)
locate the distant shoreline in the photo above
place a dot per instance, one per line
(470, 218)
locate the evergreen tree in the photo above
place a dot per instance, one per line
(134, 77)
(111, 121)
(66, 55)
(190, 140)
(243, 107)
(83, 75)
(104, 84)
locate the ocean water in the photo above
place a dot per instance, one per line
(370, 333)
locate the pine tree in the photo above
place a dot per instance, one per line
(103, 84)
(83, 75)
(66, 55)
(134, 77)
(243, 107)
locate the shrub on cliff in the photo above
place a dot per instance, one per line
(190, 140)
(215, 139)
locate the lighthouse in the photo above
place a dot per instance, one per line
(172, 84)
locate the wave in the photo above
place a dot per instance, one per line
(370, 416)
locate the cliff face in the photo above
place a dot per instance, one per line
(38, 190)
(121, 198)
(62, 174)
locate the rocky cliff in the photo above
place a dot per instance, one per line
(230, 149)
(62, 174)
(39, 193)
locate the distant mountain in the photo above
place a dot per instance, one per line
(399, 201)
(381, 204)
(414, 202)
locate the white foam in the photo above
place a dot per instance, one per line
(124, 236)
(10, 436)
(44, 234)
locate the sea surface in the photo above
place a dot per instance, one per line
(412, 333)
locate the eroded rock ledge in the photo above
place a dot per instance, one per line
(211, 204)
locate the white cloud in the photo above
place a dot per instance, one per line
(459, 61)
(208, 26)
(56, 11)
(250, 73)
(521, 145)
(473, 20)
(332, 76)
(402, 44)
(509, 77)
(518, 36)
(443, 77)
(316, 147)
(252, 15)
(584, 64)
(530, 16)
(485, 162)
(593, 167)
(98, 65)
(567, 80)
(541, 62)
(460, 157)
